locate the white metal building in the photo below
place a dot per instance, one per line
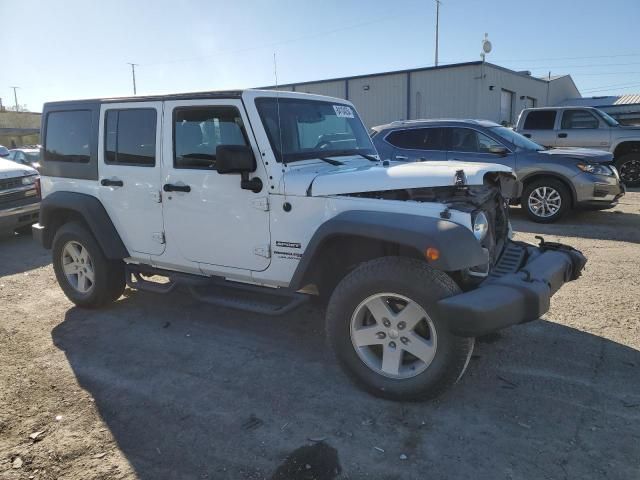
(461, 90)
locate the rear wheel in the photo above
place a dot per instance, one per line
(85, 275)
(545, 200)
(629, 168)
(383, 331)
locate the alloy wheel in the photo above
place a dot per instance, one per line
(545, 202)
(393, 335)
(630, 171)
(77, 266)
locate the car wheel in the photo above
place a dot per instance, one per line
(382, 327)
(629, 169)
(545, 200)
(86, 276)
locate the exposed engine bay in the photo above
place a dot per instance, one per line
(491, 198)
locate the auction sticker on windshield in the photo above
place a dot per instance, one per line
(343, 111)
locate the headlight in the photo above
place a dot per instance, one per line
(480, 226)
(30, 180)
(595, 168)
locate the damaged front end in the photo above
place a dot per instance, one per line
(488, 207)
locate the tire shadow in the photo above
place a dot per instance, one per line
(191, 391)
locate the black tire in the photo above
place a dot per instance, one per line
(417, 281)
(628, 166)
(109, 275)
(548, 182)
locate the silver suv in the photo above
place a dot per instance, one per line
(555, 181)
(585, 127)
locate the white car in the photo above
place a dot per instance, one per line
(257, 200)
(19, 197)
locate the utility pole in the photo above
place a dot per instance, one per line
(133, 74)
(437, 25)
(15, 97)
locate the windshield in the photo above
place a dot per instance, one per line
(517, 139)
(306, 129)
(612, 122)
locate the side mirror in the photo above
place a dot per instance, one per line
(238, 159)
(498, 150)
(235, 159)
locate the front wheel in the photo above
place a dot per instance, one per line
(545, 200)
(629, 168)
(383, 331)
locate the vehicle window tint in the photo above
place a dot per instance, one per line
(417, 139)
(68, 136)
(540, 120)
(199, 130)
(130, 137)
(578, 119)
(468, 140)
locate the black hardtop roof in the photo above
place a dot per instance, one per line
(156, 98)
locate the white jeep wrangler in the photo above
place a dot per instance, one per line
(258, 200)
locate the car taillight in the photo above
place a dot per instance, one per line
(38, 188)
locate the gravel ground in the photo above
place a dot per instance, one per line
(167, 388)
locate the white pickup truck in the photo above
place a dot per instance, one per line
(585, 127)
(257, 200)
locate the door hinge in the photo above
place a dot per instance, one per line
(263, 251)
(159, 237)
(157, 196)
(261, 203)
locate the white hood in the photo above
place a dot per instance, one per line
(9, 169)
(321, 180)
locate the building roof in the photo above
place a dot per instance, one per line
(524, 74)
(603, 101)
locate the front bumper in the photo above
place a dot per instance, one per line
(597, 190)
(19, 216)
(518, 290)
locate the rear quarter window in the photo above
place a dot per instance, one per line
(540, 120)
(68, 136)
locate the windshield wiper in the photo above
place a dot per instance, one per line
(330, 161)
(342, 153)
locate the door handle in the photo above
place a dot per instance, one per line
(562, 135)
(169, 187)
(111, 182)
(402, 158)
(528, 135)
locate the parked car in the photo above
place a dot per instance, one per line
(264, 198)
(585, 127)
(554, 181)
(26, 156)
(19, 197)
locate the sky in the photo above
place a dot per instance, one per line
(71, 49)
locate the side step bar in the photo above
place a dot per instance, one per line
(218, 291)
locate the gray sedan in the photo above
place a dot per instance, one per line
(554, 181)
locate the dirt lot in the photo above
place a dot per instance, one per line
(163, 387)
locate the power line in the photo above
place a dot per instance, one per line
(607, 89)
(614, 85)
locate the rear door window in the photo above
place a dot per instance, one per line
(68, 136)
(130, 137)
(417, 139)
(576, 119)
(469, 140)
(540, 120)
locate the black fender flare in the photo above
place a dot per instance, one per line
(457, 245)
(92, 212)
